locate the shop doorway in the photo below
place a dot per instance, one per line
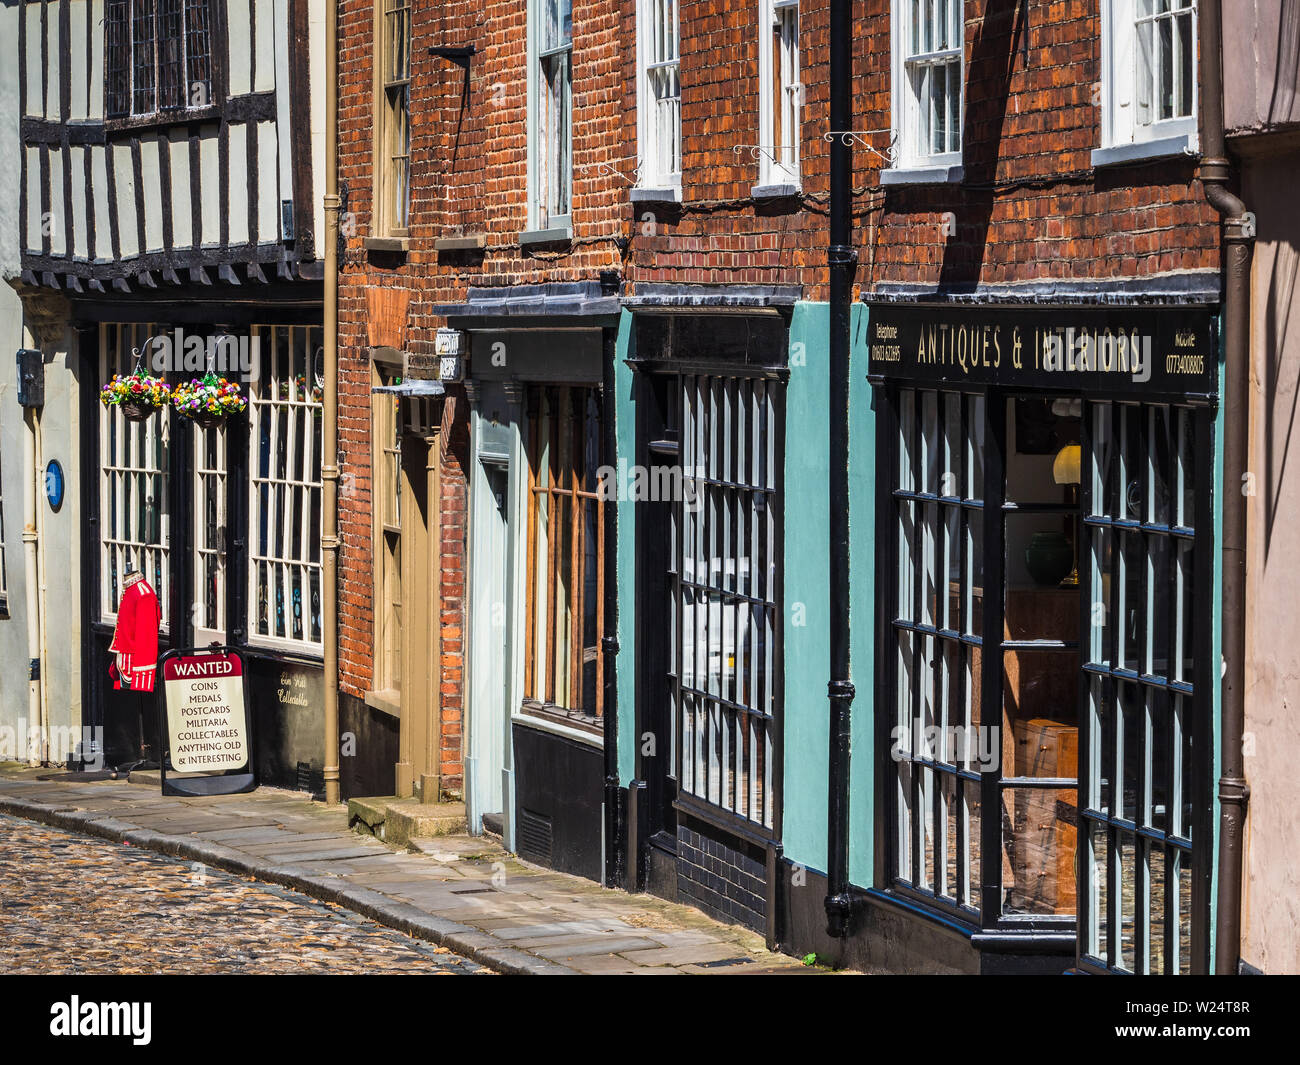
(489, 711)
(419, 735)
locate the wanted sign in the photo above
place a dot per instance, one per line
(206, 721)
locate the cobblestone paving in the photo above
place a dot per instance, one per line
(74, 904)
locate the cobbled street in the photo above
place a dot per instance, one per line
(73, 904)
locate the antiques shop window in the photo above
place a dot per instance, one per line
(724, 664)
(937, 638)
(563, 664)
(285, 490)
(393, 118)
(1144, 830)
(157, 56)
(1036, 777)
(134, 524)
(928, 49)
(781, 95)
(660, 94)
(554, 104)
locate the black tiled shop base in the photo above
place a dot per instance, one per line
(721, 875)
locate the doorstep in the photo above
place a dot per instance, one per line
(463, 892)
(400, 821)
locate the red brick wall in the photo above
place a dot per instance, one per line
(1031, 208)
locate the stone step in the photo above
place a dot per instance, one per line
(399, 821)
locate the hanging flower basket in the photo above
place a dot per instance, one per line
(209, 402)
(136, 395)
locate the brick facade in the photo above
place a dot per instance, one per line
(1030, 209)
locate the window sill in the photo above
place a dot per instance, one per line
(400, 245)
(780, 191)
(474, 242)
(660, 194)
(1140, 151)
(558, 235)
(386, 702)
(572, 723)
(923, 175)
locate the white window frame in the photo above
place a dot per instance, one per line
(659, 124)
(540, 217)
(132, 456)
(914, 160)
(1124, 136)
(781, 166)
(284, 414)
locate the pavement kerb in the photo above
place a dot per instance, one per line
(471, 943)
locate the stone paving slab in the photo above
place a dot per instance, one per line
(462, 892)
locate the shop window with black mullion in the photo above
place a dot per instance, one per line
(725, 659)
(1144, 818)
(937, 640)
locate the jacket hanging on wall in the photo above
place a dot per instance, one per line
(135, 639)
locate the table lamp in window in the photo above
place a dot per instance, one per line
(1065, 470)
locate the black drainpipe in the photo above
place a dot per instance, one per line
(1238, 246)
(614, 842)
(841, 259)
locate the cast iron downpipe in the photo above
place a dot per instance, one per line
(609, 644)
(841, 259)
(329, 540)
(1238, 249)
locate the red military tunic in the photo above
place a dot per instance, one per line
(135, 639)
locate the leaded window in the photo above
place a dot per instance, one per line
(285, 489)
(134, 519)
(565, 615)
(157, 56)
(724, 662)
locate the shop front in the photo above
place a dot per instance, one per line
(705, 807)
(1046, 637)
(540, 583)
(221, 521)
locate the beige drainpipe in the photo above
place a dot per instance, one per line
(330, 430)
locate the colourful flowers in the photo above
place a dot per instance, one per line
(208, 400)
(136, 390)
